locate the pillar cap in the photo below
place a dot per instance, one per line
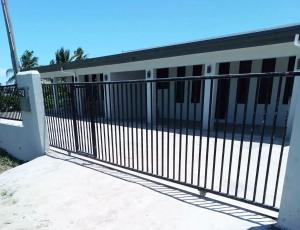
(30, 72)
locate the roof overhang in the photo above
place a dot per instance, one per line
(238, 41)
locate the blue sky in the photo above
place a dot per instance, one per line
(108, 27)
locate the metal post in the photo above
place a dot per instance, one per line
(92, 104)
(74, 116)
(11, 40)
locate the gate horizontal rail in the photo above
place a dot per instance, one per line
(188, 130)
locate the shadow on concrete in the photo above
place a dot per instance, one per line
(265, 227)
(263, 222)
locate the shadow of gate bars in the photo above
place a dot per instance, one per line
(223, 134)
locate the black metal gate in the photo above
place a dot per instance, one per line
(167, 128)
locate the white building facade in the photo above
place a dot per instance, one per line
(270, 50)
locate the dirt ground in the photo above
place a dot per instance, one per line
(7, 162)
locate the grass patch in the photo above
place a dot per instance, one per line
(7, 161)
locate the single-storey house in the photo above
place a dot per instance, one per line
(270, 50)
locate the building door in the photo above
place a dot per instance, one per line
(222, 92)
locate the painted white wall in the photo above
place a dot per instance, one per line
(289, 213)
(251, 53)
(27, 139)
(295, 95)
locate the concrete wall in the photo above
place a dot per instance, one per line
(289, 213)
(27, 139)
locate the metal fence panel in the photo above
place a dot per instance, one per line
(239, 152)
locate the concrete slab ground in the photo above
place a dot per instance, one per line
(221, 164)
(65, 192)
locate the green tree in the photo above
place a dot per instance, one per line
(27, 62)
(79, 54)
(62, 55)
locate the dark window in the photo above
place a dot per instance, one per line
(95, 93)
(181, 71)
(266, 84)
(196, 85)
(86, 78)
(101, 76)
(101, 86)
(73, 78)
(224, 68)
(222, 92)
(243, 83)
(289, 82)
(162, 73)
(180, 85)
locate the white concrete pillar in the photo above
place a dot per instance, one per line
(295, 95)
(210, 70)
(289, 212)
(151, 107)
(35, 137)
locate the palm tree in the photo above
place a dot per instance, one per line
(28, 61)
(79, 54)
(62, 55)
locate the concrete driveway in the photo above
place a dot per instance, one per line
(63, 192)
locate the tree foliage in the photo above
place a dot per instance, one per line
(9, 100)
(27, 62)
(79, 54)
(62, 55)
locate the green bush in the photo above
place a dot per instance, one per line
(9, 101)
(63, 97)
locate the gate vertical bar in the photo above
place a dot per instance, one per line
(72, 88)
(92, 105)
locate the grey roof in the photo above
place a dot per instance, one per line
(257, 38)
